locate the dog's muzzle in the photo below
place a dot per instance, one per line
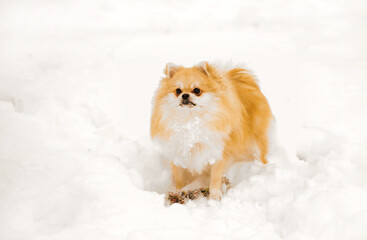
(186, 100)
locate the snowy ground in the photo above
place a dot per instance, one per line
(76, 81)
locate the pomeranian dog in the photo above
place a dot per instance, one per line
(207, 118)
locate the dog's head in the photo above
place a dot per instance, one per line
(190, 90)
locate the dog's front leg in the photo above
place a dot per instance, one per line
(216, 174)
(179, 175)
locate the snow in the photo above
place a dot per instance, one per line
(76, 83)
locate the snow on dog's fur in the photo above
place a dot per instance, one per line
(208, 117)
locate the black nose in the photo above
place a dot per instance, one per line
(185, 96)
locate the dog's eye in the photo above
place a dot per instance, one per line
(197, 91)
(178, 91)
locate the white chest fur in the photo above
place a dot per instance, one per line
(193, 146)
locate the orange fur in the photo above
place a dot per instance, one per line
(241, 117)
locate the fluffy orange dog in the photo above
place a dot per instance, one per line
(206, 118)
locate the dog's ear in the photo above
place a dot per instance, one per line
(206, 68)
(170, 69)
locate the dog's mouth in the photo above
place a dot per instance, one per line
(187, 103)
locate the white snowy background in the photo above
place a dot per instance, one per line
(76, 82)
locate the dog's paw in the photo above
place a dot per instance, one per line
(215, 194)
